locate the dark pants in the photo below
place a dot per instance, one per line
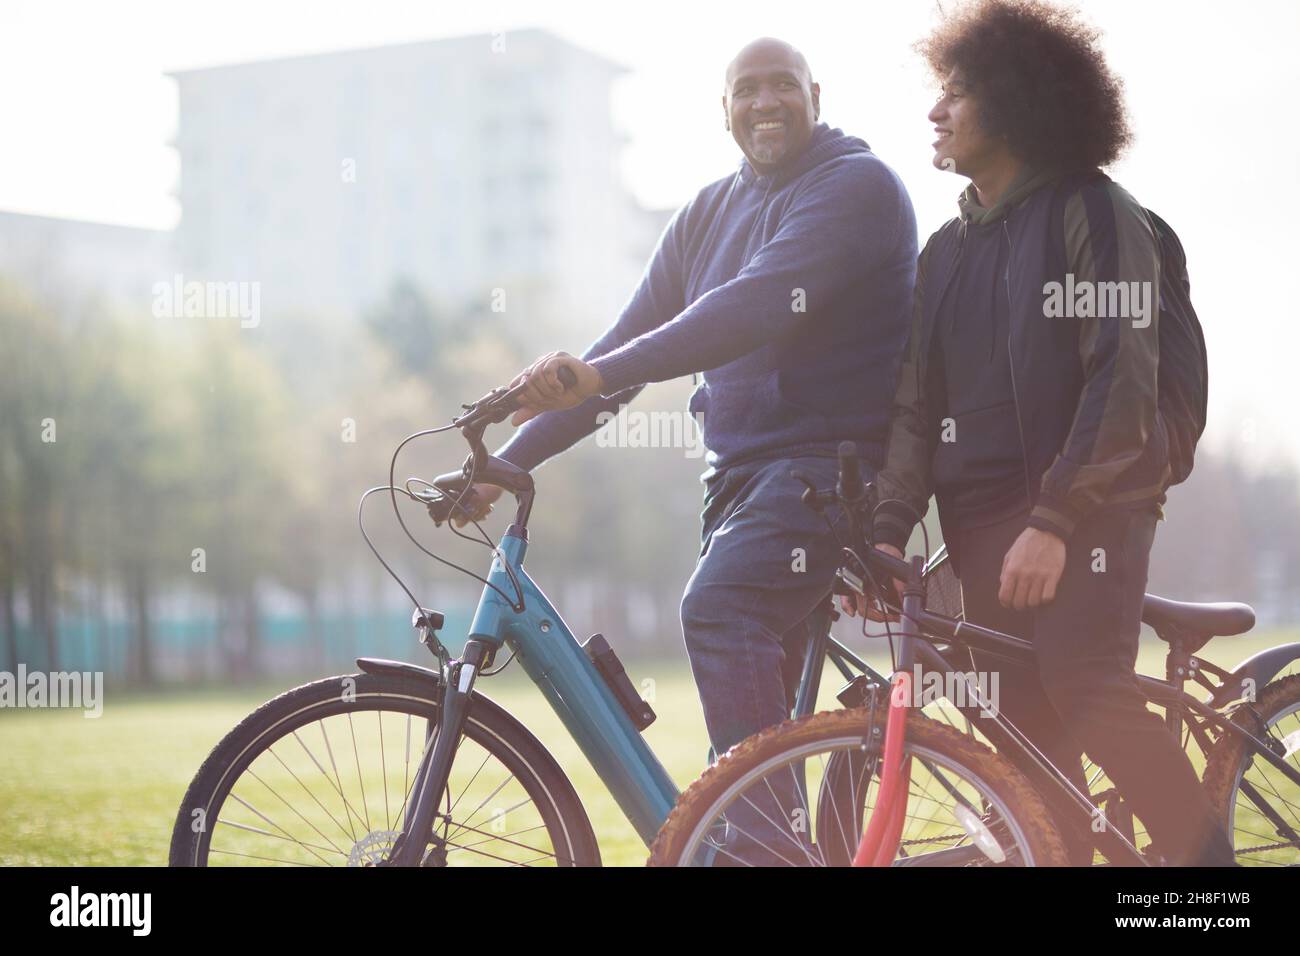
(1084, 696)
(759, 591)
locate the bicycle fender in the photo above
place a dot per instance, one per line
(1254, 672)
(381, 665)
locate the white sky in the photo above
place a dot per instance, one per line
(87, 113)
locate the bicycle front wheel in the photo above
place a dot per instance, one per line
(798, 794)
(321, 776)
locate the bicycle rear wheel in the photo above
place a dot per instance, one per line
(1259, 806)
(321, 775)
(798, 794)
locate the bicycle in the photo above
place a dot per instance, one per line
(877, 762)
(324, 774)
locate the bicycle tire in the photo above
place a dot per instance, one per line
(673, 846)
(1229, 760)
(487, 725)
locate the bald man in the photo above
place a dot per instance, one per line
(787, 284)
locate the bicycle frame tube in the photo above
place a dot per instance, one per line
(846, 661)
(1162, 693)
(557, 664)
(823, 647)
(810, 680)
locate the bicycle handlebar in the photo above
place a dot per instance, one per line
(455, 493)
(886, 564)
(851, 492)
(850, 487)
(498, 403)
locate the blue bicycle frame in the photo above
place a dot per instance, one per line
(550, 654)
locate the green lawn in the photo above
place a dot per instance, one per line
(75, 791)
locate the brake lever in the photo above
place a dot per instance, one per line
(810, 489)
(481, 412)
(848, 583)
(440, 509)
(814, 499)
(447, 494)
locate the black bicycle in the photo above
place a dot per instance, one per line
(926, 798)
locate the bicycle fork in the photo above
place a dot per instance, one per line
(435, 766)
(879, 845)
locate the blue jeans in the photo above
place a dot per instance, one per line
(759, 591)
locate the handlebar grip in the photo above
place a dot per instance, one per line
(887, 566)
(498, 405)
(850, 484)
(510, 401)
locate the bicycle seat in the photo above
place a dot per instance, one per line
(1221, 619)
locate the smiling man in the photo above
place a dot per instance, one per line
(787, 284)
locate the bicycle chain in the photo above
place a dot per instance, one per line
(1272, 846)
(934, 839)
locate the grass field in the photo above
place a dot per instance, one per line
(93, 792)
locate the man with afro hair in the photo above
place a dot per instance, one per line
(1037, 430)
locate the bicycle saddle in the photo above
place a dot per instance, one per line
(1182, 618)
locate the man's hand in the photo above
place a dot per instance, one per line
(1031, 570)
(545, 392)
(478, 502)
(854, 603)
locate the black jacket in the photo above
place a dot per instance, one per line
(1084, 382)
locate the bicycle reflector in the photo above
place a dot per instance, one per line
(980, 834)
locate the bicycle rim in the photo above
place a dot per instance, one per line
(1253, 834)
(766, 818)
(328, 785)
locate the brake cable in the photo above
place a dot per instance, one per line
(361, 522)
(925, 536)
(516, 603)
(877, 591)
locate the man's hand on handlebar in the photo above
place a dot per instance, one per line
(871, 610)
(478, 504)
(544, 392)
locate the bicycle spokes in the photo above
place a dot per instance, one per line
(1266, 815)
(334, 792)
(810, 809)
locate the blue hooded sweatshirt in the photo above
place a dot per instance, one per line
(790, 291)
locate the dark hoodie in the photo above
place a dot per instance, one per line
(790, 291)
